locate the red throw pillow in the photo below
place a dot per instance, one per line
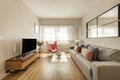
(77, 48)
(86, 53)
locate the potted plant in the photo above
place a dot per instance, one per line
(40, 43)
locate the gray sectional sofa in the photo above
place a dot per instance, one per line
(107, 68)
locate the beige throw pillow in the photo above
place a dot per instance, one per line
(86, 53)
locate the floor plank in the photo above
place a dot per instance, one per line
(45, 69)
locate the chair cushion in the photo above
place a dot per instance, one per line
(52, 47)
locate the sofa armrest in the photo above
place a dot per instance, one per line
(106, 70)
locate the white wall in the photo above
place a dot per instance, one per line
(97, 10)
(59, 21)
(16, 22)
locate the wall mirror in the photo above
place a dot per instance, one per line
(92, 29)
(107, 24)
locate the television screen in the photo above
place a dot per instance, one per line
(28, 45)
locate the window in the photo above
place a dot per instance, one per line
(49, 34)
(62, 34)
(55, 33)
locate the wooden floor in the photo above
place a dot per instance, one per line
(45, 69)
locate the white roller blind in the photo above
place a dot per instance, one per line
(53, 33)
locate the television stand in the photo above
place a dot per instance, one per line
(20, 63)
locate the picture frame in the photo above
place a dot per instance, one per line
(36, 28)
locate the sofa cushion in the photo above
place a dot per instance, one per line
(72, 52)
(95, 52)
(81, 46)
(109, 54)
(86, 53)
(85, 66)
(77, 48)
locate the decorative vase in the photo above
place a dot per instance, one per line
(58, 54)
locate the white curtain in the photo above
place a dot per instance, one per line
(52, 33)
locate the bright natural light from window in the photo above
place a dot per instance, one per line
(49, 34)
(63, 34)
(107, 31)
(55, 33)
(93, 33)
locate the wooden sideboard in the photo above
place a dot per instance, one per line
(19, 62)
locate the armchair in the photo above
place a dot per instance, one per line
(52, 47)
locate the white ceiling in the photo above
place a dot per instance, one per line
(60, 8)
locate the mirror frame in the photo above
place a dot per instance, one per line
(118, 21)
(87, 28)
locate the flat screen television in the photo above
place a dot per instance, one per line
(28, 45)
